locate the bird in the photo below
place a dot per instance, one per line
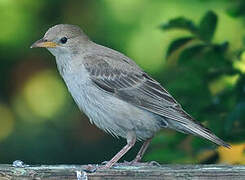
(116, 94)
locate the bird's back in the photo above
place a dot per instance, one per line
(119, 77)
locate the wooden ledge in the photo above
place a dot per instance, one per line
(166, 172)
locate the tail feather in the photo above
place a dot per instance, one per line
(199, 130)
(207, 134)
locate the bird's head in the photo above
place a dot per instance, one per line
(62, 39)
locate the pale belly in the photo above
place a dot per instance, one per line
(110, 113)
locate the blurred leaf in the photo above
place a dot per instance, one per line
(207, 157)
(192, 52)
(238, 9)
(239, 64)
(240, 87)
(180, 23)
(7, 121)
(222, 48)
(207, 26)
(223, 82)
(234, 115)
(235, 155)
(178, 43)
(234, 123)
(39, 96)
(214, 73)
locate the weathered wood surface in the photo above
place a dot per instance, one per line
(166, 172)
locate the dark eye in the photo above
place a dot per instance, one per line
(63, 40)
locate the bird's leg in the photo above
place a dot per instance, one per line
(142, 151)
(131, 139)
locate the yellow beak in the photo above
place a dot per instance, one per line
(44, 43)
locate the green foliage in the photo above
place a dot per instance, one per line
(203, 33)
(207, 26)
(237, 9)
(180, 23)
(191, 52)
(178, 43)
(213, 89)
(235, 124)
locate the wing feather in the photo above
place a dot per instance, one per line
(126, 81)
(134, 87)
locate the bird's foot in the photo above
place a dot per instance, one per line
(129, 163)
(105, 163)
(91, 168)
(154, 163)
(138, 163)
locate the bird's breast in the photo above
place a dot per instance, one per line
(103, 109)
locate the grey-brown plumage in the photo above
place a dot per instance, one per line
(116, 95)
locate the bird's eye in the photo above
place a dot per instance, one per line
(63, 40)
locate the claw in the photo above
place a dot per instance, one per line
(136, 163)
(154, 163)
(91, 169)
(104, 162)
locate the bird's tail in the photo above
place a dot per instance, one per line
(195, 128)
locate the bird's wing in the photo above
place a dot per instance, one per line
(131, 84)
(125, 80)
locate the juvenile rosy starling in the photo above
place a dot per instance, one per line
(115, 93)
